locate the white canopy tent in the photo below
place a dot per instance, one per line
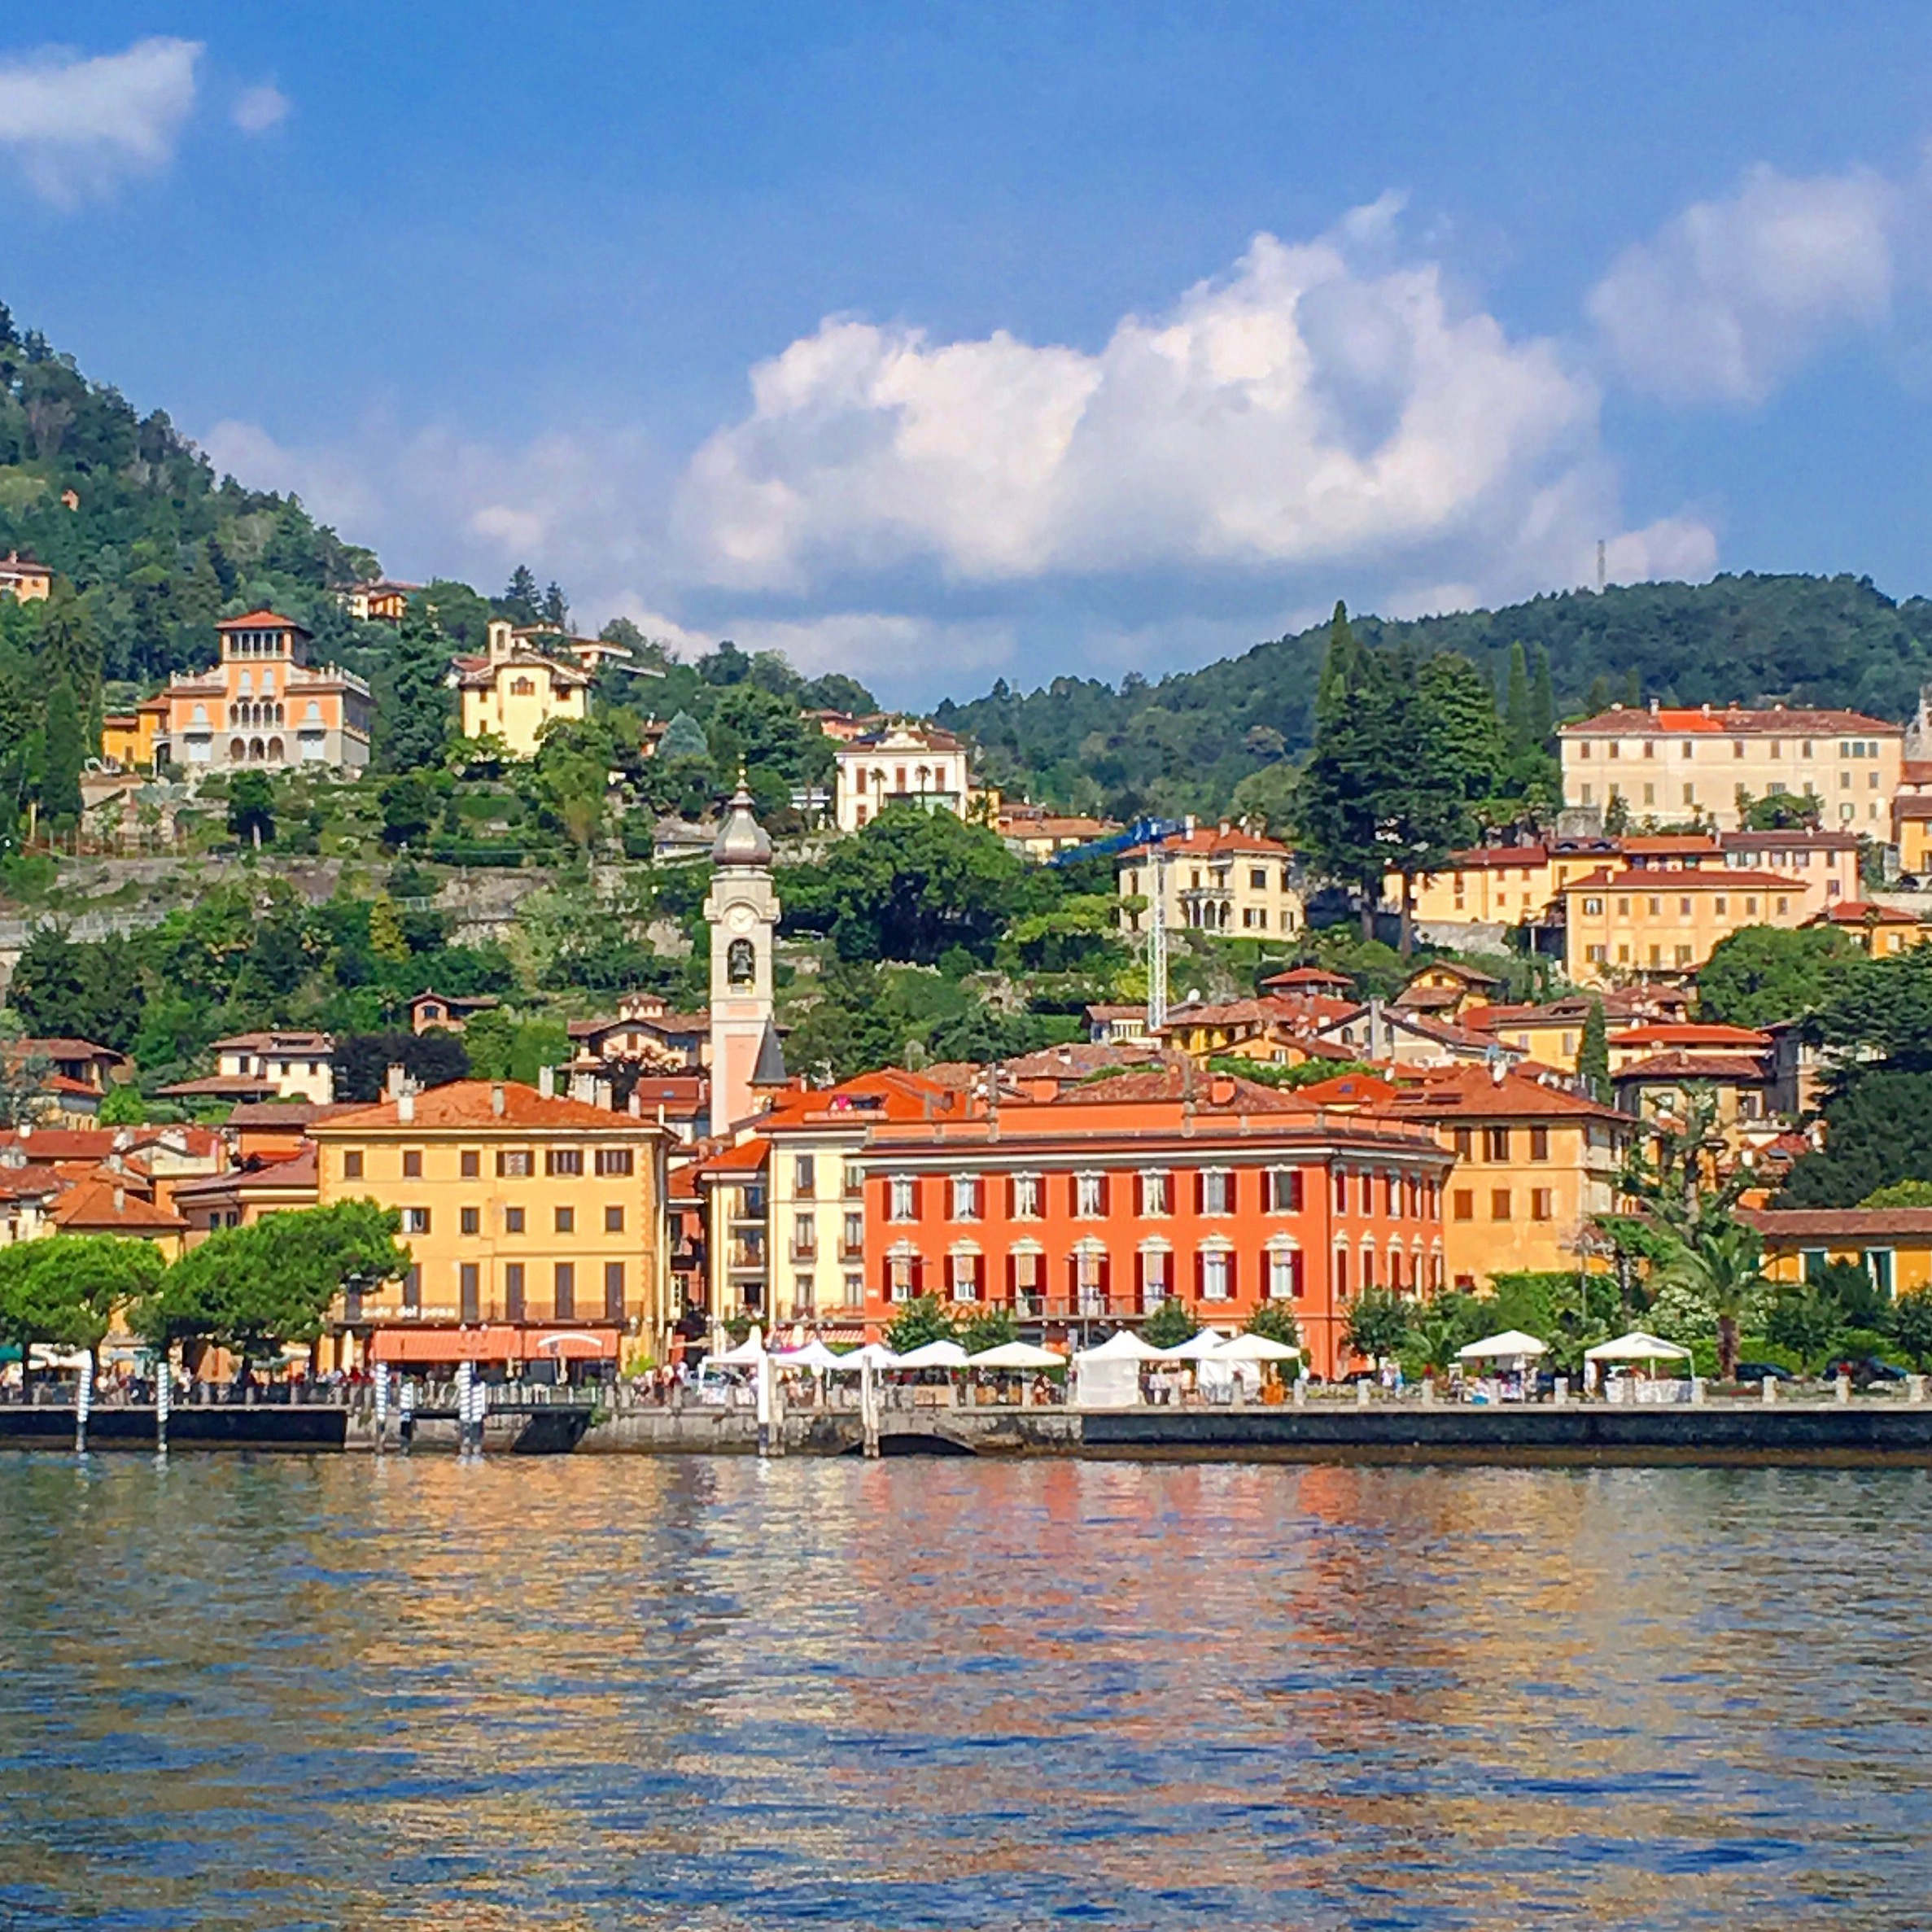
(1203, 1345)
(748, 1354)
(932, 1355)
(874, 1355)
(1126, 1346)
(1256, 1348)
(813, 1355)
(1637, 1346)
(1017, 1355)
(1512, 1345)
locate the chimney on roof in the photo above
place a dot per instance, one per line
(499, 1103)
(546, 1082)
(1656, 705)
(405, 1106)
(584, 1087)
(635, 1109)
(395, 1081)
(602, 1095)
(121, 1200)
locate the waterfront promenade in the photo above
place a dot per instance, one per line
(1820, 1425)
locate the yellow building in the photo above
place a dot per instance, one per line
(25, 580)
(1218, 879)
(1534, 1164)
(1677, 764)
(1879, 930)
(1653, 921)
(737, 1221)
(1893, 1245)
(521, 1211)
(128, 737)
(1487, 885)
(240, 1197)
(515, 689)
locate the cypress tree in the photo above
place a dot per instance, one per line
(1592, 1055)
(66, 752)
(1339, 664)
(1542, 701)
(1633, 688)
(1518, 717)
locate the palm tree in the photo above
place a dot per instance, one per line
(1716, 1259)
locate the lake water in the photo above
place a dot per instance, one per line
(246, 1692)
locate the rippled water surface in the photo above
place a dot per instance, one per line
(252, 1693)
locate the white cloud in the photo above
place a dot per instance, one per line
(81, 126)
(1731, 295)
(897, 650)
(1327, 404)
(257, 109)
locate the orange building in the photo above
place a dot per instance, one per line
(1100, 1203)
(263, 704)
(23, 579)
(128, 737)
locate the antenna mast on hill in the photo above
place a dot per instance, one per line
(1599, 567)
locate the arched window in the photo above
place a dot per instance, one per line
(256, 751)
(522, 687)
(200, 715)
(314, 714)
(274, 751)
(237, 751)
(246, 688)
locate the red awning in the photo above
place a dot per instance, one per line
(498, 1341)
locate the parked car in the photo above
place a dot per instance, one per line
(1864, 1370)
(1760, 1371)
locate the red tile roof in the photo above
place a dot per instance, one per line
(1474, 1093)
(471, 1103)
(1211, 842)
(1697, 1066)
(1859, 912)
(1703, 878)
(261, 620)
(1851, 1224)
(94, 1204)
(1683, 1034)
(1676, 721)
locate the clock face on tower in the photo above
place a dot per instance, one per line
(740, 919)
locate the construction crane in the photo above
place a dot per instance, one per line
(1153, 833)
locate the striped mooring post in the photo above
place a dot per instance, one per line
(83, 1405)
(163, 1399)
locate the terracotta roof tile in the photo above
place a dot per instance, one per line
(471, 1103)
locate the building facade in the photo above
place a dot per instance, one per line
(263, 704)
(1220, 879)
(24, 579)
(1654, 923)
(1098, 1206)
(900, 764)
(514, 690)
(1673, 763)
(524, 1214)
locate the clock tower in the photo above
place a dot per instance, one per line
(742, 912)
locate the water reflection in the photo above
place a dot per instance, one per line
(247, 1694)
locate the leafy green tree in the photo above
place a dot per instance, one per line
(409, 804)
(1881, 1009)
(911, 886)
(64, 989)
(1900, 1194)
(122, 1106)
(1378, 1323)
(1877, 1131)
(1274, 1322)
(1762, 976)
(252, 807)
(1719, 1262)
(414, 708)
(1168, 1325)
(922, 1320)
(1593, 1053)
(1804, 1320)
(1519, 722)
(1782, 811)
(1542, 704)
(252, 1290)
(988, 1326)
(1911, 1329)
(61, 1292)
(363, 1061)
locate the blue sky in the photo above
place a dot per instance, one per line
(941, 344)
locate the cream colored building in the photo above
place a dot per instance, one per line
(901, 764)
(1676, 764)
(515, 689)
(1489, 885)
(1218, 879)
(1637, 922)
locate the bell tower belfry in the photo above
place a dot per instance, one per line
(742, 912)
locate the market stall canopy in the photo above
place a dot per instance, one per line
(1637, 1346)
(1016, 1355)
(813, 1355)
(1256, 1348)
(874, 1355)
(748, 1354)
(1198, 1347)
(932, 1355)
(1512, 1342)
(1126, 1346)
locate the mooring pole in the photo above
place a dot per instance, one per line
(83, 1403)
(163, 1401)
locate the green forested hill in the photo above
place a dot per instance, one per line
(1203, 741)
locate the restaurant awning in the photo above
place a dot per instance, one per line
(496, 1342)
